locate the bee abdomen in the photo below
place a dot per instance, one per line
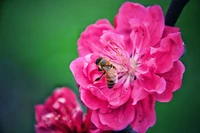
(111, 80)
(110, 84)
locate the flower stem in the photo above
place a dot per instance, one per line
(174, 11)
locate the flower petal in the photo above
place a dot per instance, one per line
(173, 82)
(140, 37)
(89, 39)
(129, 11)
(111, 37)
(169, 30)
(170, 50)
(120, 117)
(92, 101)
(163, 61)
(39, 111)
(95, 119)
(138, 93)
(119, 96)
(151, 83)
(174, 44)
(60, 113)
(155, 23)
(77, 67)
(41, 129)
(145, 115)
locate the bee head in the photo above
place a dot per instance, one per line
(98, 60)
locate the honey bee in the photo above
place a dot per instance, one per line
(110, 71)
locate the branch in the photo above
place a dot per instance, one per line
(174, 11)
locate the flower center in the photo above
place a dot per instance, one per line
(124, 63)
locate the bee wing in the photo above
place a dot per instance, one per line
(107, 68)
(111, 75)
(120, 67)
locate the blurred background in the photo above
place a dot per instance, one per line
(38, 42)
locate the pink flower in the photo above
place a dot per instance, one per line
(142, 56)
(61, 113)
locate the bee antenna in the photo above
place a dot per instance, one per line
(100, 76)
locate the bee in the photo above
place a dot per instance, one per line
(110, 71)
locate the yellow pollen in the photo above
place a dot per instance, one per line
(116, 48)
(123, 60)
(119, 54)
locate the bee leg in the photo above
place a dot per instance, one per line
(100, 76)
(99, 69)
(120, 76)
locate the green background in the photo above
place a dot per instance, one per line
(38, 42)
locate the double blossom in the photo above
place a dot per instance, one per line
(62, 113)
(145, 55)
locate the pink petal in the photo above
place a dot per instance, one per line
(177, 46)
(163, 61)
(139, 36)
(173, 79)
(174, 44)
(77, 67)
(89, 40)
(66, 93)
(87, 120)
(115, 43)
(169, 30)
(155, 23)
(138, 93)
(118, 118)
(145, 115)
(39, 111)
(41, 129)
(151, 82)
(91, 101)
(95, 119)
(77, 119)
(110, 36)
(103, 21)
(152, 17)
(129, 11)
(119, 96)
(98, 92)
(116, 97)
(171, 48)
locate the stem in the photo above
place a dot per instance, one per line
(174, 11)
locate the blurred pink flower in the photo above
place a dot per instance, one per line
(62, 113)
(145, 55)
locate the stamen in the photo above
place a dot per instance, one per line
(124, 63)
